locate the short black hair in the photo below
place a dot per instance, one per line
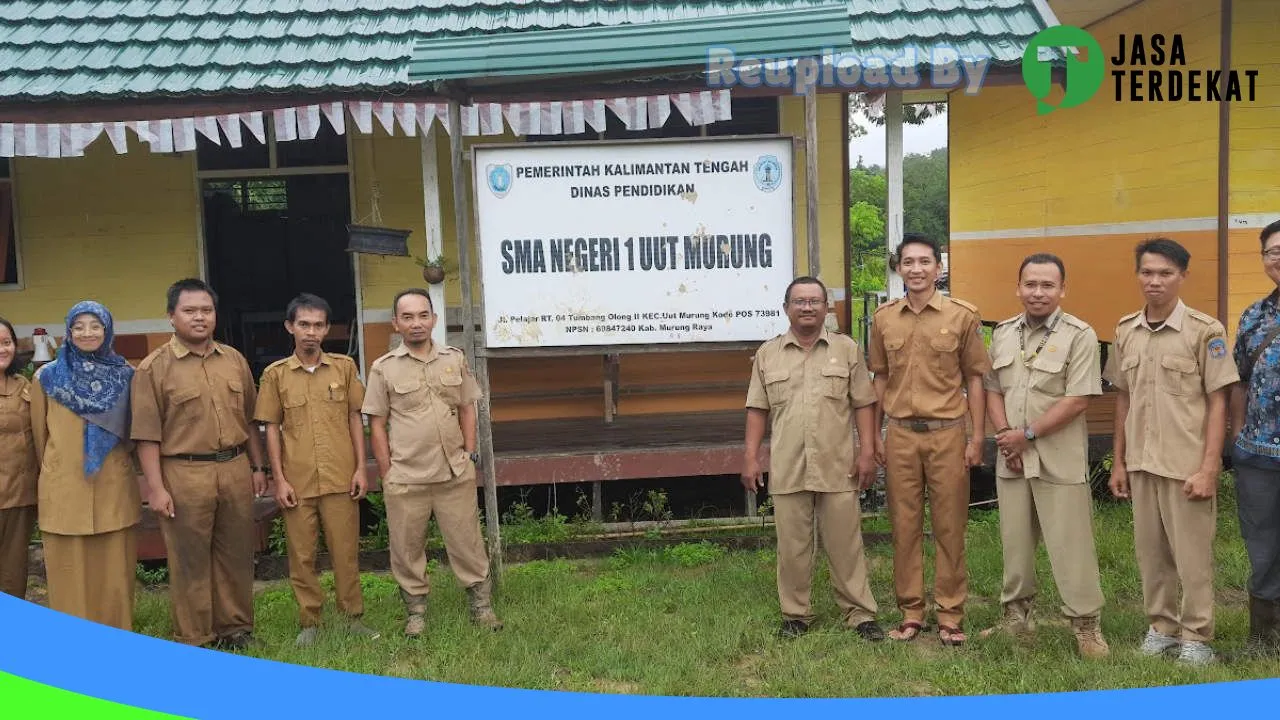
(919, 239)
(307, 301)
(395, 304)
(804, 280)
(1268, 231)
(13, 364)
(188, 285)
(1164, 247)
(1043, 258)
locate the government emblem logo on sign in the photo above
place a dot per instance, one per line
(499, 177)
(768, 173)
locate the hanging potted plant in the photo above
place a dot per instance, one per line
(433, 268)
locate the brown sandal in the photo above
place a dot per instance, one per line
(907, 631)
(951, 636)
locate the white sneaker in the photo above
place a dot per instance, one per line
(1195, 653)
(1157, 643)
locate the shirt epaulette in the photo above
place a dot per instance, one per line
(151, 357)
(964, 304)
(1009, 321)
(1127, 318)
(891, 303)
(275, 364)
(1075, 322)
(1202, 317)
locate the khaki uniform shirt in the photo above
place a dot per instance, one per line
(810, 397)
(927, 356)
(312, 408)
(1168, 373)
(17, 450)
(1031, 383)
(70, 503)
(421, 398)
(192, 404)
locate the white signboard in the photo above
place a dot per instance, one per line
(629, 243)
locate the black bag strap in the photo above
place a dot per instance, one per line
(1256, 355)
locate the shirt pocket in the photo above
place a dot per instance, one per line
(1003, 368)
(835, 381)
(1047, 375)
(893, 348)
(406, 394)
(451, 388)
(15, 414)
(1178, 375)
(1129, 370)
(943, 357)
(295, 410)
(777, 387)
(184, 406)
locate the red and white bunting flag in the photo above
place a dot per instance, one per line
(385, 112)
(119, 140)
(406, 114)
(208, 127)
(256, 124)
(337, 119)
(491, 119)
(286, 123)
(184, 134)
(308, 122)
(6, 140)
(230, 124)
(362, 115)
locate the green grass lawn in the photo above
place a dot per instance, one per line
(697, 620)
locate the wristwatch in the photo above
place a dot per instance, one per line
(475, 458)
(1029, 434)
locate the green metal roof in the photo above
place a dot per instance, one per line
(115, 49)
(794, 32)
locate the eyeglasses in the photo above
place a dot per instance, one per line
(1271, 254)
(808, 303)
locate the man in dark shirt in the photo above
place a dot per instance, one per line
(1255, 421)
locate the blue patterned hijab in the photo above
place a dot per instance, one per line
(94, 386)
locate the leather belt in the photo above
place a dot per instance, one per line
(218, 457)
(923, 425)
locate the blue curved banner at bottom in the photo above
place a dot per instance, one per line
(138, 671)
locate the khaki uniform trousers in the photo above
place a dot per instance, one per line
(340, 516)
(93, 576)
(210, 544)
(16, 526)
(1062, 515)
(933, 459)
(839, 519)
(1173, 537)
(457, 512)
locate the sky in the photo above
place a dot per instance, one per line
(922, 139)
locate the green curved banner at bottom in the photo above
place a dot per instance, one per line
(42, 701)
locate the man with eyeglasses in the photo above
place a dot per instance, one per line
(929, 360)
(812, 387)
(1255, 454)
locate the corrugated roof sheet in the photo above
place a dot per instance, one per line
(794, 32)
(65, 49)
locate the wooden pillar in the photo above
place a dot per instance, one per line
(811, 179)
(433, 223)
(462, 222)
(893, 178)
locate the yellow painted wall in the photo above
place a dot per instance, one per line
(832, 137)
(1255, 148)
(116, 228)
(1100, 162)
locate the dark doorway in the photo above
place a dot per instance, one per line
(269, 239)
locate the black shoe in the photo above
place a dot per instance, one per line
(793, 628)
(236, 641)
(870, 631)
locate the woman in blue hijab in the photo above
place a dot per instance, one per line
(88, 496)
